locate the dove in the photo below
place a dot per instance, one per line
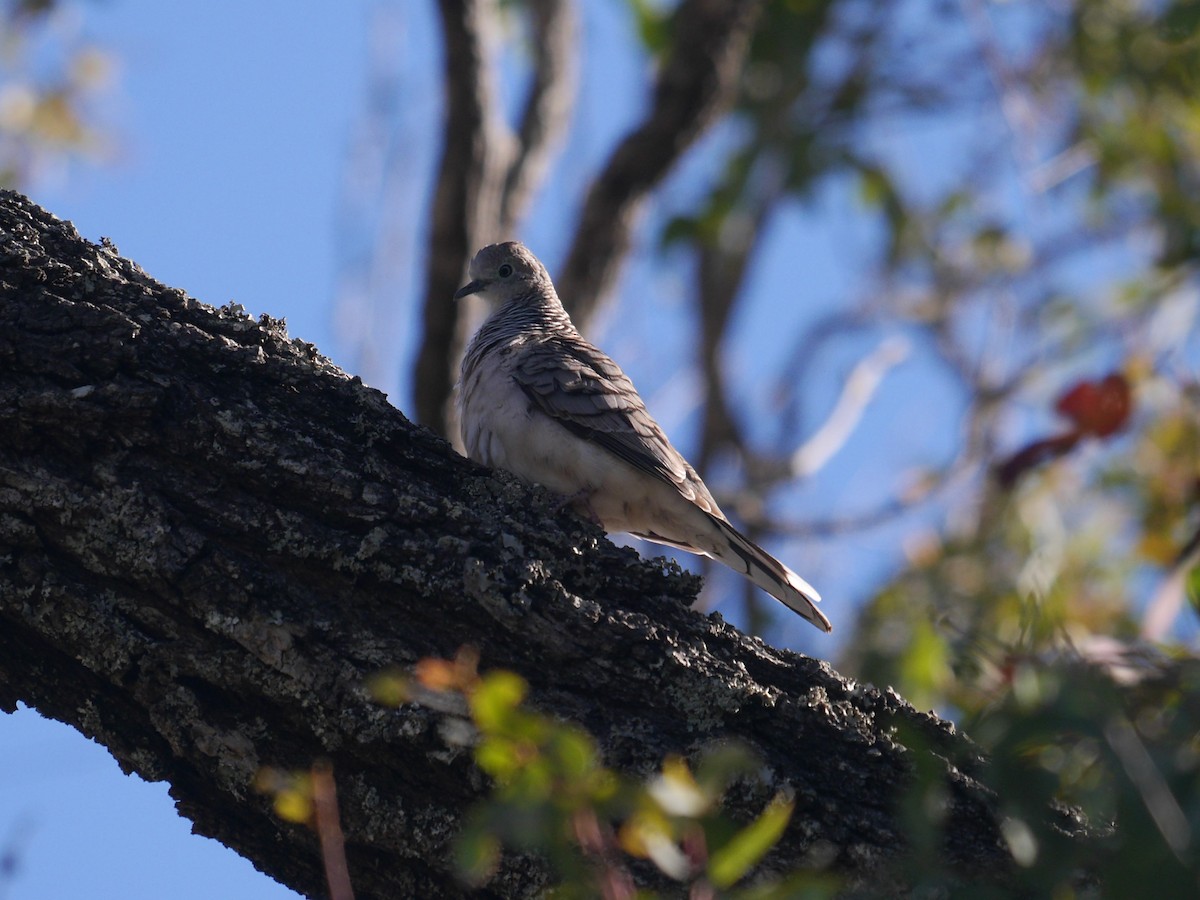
(535, 398)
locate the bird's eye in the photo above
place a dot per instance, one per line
(505, 270)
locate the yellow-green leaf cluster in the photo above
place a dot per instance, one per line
(553, 796)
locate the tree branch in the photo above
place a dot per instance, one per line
(465, 203)
(860, 386)
(696, 81)
(547, 110)
(210, 538)
(720, 271)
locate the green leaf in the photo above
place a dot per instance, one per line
(477, 852)
(731, 862)
(496, 698)
(1180, 22)
(925, 665)
(501, 758)
(574, 752)
(653, 25)
(679, 230)
(1193, 588)
(390, 688)
(676, 792)
(721, 765)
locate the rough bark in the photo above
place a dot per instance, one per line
(210, 537)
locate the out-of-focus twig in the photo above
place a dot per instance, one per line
(12, 853)
(599, 845)
(959, 472)
(1168, 600)
(720, 271)
(860, 387)
(547, 109)
(465, 201)
(1146, 776)
(329, 831)
(486, 175)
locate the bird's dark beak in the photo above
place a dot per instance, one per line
(471, 287)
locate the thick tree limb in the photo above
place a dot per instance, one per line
(698, 77)
(210, 537)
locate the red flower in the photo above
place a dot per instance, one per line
(1098, 408)
(1094, 408)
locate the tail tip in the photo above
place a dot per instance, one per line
(807, 608)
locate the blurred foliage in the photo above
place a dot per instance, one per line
(291, 793)
(1021, 626)
(1048, 265)
(49, 80)
(1093, 130)
(1108, 741)
(1138, 68)
(1057, 246)
(552, 796)
(1118, 740)
(1096, 773)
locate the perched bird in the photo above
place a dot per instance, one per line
(540, 401)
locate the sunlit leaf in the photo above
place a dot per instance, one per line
(1193, 588)
(648, 835)
(676, 791)
(925, 665)
(633, 832)
(498, 694)
(730, 863)
(291, 793)
(389, 688)
(574, 752)
(502, 758)
(294, 806)
(1022, 843)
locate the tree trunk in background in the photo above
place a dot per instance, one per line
(210, 537)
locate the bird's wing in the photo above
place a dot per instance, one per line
(580, 387)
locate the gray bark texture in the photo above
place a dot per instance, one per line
(210, 537)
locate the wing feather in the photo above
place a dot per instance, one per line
(580, 387)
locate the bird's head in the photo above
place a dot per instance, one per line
(503, 272)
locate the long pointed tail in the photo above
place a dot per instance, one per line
(747, 558)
